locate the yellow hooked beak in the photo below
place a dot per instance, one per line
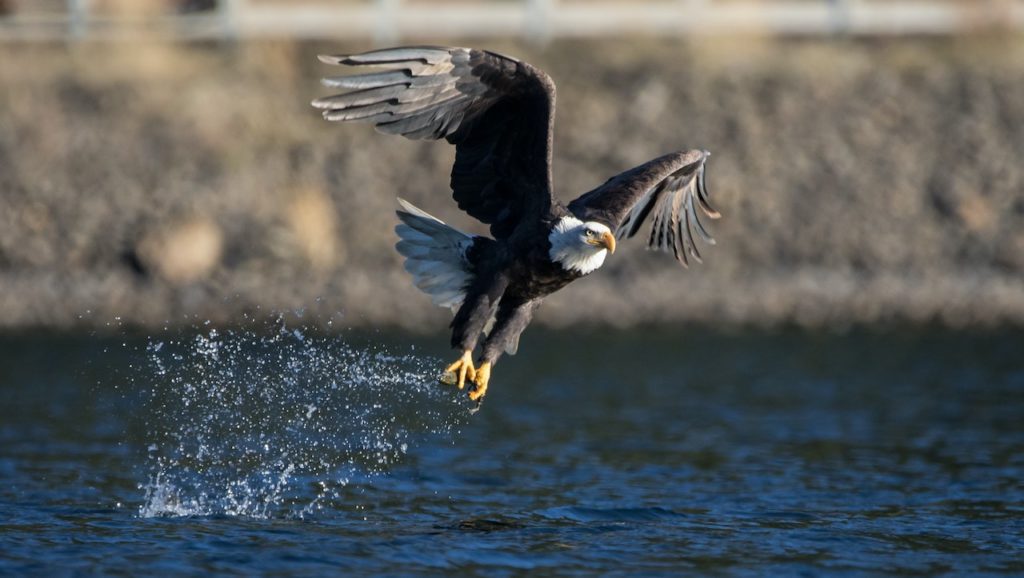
(608, 241)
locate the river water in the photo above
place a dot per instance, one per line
(596, 451)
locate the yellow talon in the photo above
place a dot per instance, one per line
(463, 368)
(483, 375)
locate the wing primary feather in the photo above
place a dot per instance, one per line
(419, 125)
(428, 55)
(340, 115)
(370, 80)
(427, 95)
(359, 112)
(702, 195)
(652, 237)
(360, 97)
(697, 225)
(334, 59)
(387, 78)
(657, 239)
(682, 240)
(394, 112)
(679, 248)
(673, 235)
(691, 245)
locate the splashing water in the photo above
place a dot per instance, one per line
(278, 425)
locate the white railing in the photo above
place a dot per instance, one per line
(386, 21)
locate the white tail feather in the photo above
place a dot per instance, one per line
(435, 255)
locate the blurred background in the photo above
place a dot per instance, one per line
(160, 162)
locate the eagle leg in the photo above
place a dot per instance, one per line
(460, 370)
(483, 375)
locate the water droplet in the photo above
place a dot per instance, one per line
(250, 424)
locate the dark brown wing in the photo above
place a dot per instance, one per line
(669, 187)
(496, 110)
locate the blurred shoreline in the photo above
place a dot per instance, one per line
(861, 182)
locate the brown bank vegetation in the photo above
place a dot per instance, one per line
(860, 182)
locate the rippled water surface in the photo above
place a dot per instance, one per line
(596, 452)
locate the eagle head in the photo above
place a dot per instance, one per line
(580, 246)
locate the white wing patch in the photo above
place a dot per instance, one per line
(435, 255)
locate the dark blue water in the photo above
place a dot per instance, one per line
(596, 452)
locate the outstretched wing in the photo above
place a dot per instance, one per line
(669, 187)
(496, 110)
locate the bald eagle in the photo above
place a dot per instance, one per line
(499, 113)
